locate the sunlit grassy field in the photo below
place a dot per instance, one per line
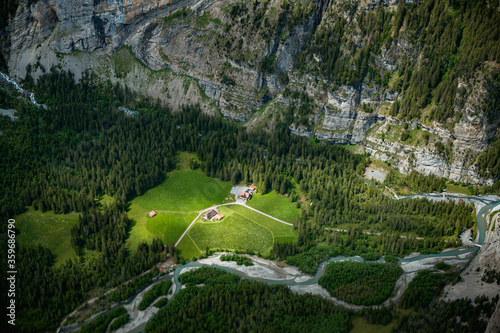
(241, 229)
(280, 231)
(275, 205)
(188, 248)
(184, 190)
(166, 226)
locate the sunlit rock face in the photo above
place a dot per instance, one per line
(82, 25)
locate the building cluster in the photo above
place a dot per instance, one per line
(214, 215)
(247, 195)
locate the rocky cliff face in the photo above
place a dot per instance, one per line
(222, 52)
(239, 57)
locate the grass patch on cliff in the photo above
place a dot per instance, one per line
(174, 16)
(205, 20)
(138, 75)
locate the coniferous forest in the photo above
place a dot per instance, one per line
(360, 283)
(227, 303)
(81, 147)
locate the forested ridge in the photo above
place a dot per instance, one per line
(82, 147)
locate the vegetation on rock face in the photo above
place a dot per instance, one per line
(450, 39)
(489, 160)
(456, 316)
(7, 11)
(491, 276)
(360, 283)
(432, 315)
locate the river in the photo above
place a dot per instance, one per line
(482, 217)
(488, 203)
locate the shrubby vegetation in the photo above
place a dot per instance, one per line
(208, 276)
(240, 260)
(431, 315)
(309, 260)
(119, 322)
(378, 316)
(391, 259)
(126, 290)
(161, 303)
(101, 323)
(307, 256)
(491, 276)
(443, 266)
(422, 289)
(360, 283)
(455, 316)
(156, 291)
(416, 182)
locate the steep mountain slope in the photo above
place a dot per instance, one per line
(415, 83)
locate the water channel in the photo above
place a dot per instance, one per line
(481, 227)
(489, 202)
